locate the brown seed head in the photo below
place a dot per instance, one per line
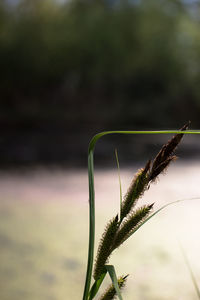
(165, 155)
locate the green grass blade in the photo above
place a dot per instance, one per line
(97, 285)
(190, 271)
(120, 184)
(113, 276)
(92, 194)
(101, 134)
(91, 224)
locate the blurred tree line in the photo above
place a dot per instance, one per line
(70, 69)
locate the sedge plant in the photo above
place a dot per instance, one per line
(131, 216)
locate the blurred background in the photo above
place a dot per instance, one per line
(70, 69)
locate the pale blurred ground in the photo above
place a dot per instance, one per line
(44, 234)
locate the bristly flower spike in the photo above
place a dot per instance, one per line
(130, 224)
(104, 249)
(110, 293)
(165, 155)
(135, 191)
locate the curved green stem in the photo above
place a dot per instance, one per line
(92, 224)
(92, 193)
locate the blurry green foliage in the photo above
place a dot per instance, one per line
(122, 60)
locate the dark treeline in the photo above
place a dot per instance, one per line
(69, 70)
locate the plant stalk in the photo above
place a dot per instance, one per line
(92, 194)
(91, 224)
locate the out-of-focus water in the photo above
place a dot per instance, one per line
(44, 234)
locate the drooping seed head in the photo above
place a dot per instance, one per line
(166, 155)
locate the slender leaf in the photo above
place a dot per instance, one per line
(91, 224)
(190, 271)
(113, 276)
(120, 185)
(97, 285)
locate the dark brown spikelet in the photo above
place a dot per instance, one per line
(129, 225)
(104, 249)
(166, 155)
(135, 190)
(162, 167)
(110, 293)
